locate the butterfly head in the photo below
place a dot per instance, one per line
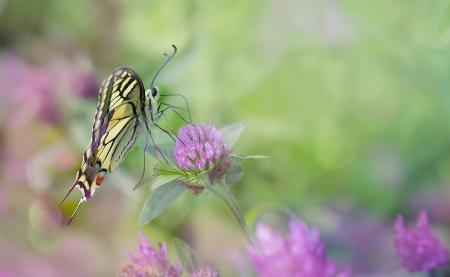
(153, 94)
(152, 97)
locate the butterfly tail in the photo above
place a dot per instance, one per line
(75, 211)
(70, 190)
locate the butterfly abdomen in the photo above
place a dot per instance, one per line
(100, 177)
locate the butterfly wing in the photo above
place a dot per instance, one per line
(114, 130)
(122, 87)
(118, 128)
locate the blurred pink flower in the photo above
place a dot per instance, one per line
(206, 270)
(29, 89)
(150, 262)
(299, 254)
(6, 273)
(3, 205)
(417, 247)
(45, 215)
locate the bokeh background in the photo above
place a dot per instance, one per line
(350, 99)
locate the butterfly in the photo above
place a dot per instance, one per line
(125, 109)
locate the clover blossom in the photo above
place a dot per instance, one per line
(301, 253)
(150, 262)
(417, 247)
(199, 147)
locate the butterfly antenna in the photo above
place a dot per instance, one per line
(75, 212)
(167, 59)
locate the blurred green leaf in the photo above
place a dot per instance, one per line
(248, 157)
(231, 133)
(159, 200)
(186, 254)
(234, 174)
(222, 192)
(440, 271)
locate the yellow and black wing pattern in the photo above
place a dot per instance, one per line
(115, 128)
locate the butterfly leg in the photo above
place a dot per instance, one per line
(161, 113)
(167, 132)
(171, 129)
(185, 101)
(180, 116)
(157, 148)
(174, 109)
(141, 179)
(172, 106)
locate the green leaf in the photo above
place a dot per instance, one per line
(234, 174)
(223, 193)
(163, 175)
(231, 133)
(247, 157)
(162, 180)
(164, 169)
(200, 180)
(159, 199)
(187, 256)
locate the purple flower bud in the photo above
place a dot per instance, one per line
(206, 270)
(417, 247)
(85, 83)
(199, 147)
(150, 262)
(301, 253)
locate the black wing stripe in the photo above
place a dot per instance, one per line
(103, 106)
(132, 138)
(126, 127)
(115, 101)
(108, 138)
(110, 88)
(114, 145)
(125, 117)
(129, 89)
(121, 95)
(126, 82)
